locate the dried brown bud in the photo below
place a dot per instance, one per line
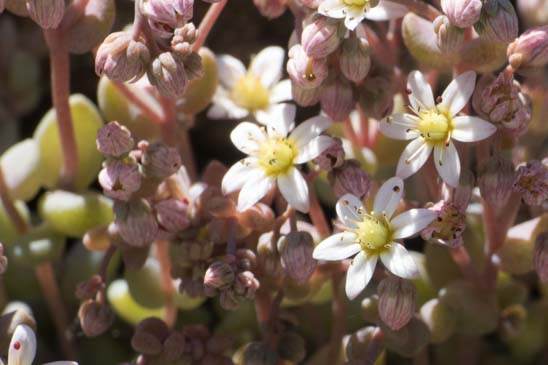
(219, 275)
(160, 161)
(135, 222)
(95, 318)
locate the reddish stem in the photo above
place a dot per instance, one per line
(316, 213)
(207, 23)
(138, 102)
(338, 326)
(162, 254)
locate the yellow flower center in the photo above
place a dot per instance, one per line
(250, 94)
(276, 156)
(434, 126)
(373, 234)
(355, 3)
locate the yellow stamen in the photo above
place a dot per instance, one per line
(434, 126)
(249, 93)
(276, 156)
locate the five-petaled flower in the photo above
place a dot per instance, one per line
(372, 235)
(354, 11)
(254, 91)
(273, 153)
(434, 125)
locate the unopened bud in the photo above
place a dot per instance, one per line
(149, 336)
(259, 218)
(370, 309)
(114, 140)
(174, 346)
(120, 179)
(358, 345)
(532, 182)
(97, 239)
(376, 96)
(350, 178)
(448, 226)
(305, 97)
(271, 8)
(95, 318)
(167, 73)
(532, 12)
(172, 215)
(397, 299)
(496, 180)
(259, 353)
(305, 71)
(296, 255)
(246, 284)
(135, 222)
(321, 37)
(185, 34)
(160, 161)
(337, 99)
(530, 49)
(166, 15)
(219, 275)
(462, 13)
(89, 288)
(354, 61)
(193, 66)
(541, 256)
(47, 13)
(332, 157)
(498, 21)
(449, 36)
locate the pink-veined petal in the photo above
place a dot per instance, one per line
(400, 126)
(421, 93)
(256, 187)
(238, 175)
(268, 64)
(313, 149)
(337, 247)
(400, 262)
(457, 93)
(410, 222)
(359, 274)
(413, 157)
(350, 210)
(230, 70)
(471, 129)
(388, 197)
(446, 159)
(294, 189)
(280, 119)
(247, 137)
(386, 10)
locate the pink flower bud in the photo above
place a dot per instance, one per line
(246, 284)
(530, 49)
(349, 179)
(95, 318)
(135, 222)
(174, 346)
(114, 140)
(397, 299)
(321, 37)
(172, 215)
(532, 182)
(296, 255)
(166, 15)
(120, 179)
(496, 181)
(337, 99)
(462, 13)
(307, 72)
(541, 256)
(47, 13)
(167, 73)
(219, 275)
(149, 336)
(332, 157)
(498, 21)
(183, 38)
(271, 8)
(448, 226)
(532, 12)
(121, 58)
(449, 37)
(305, 97)
(160, 161)
(354, 61)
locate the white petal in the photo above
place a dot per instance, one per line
(313, 149)
(268, 64)
(310, 129)
(294, 189)
(281, 92)
(279, 119)
(401, 126)
(333, 9)
(359, 274)
(400, 262)
(386, 10)
(224, 108)
(61, 363)
(256, 187)
(457, 93)
(353, 18)
(238, 175)
(413, 157)
(247, 137)
(471, 129)
(421, 93)
(230, 70)
(447, 163)
(337, 247)
(22, 346)
(349, 210)
(412, 221)
(388, 197)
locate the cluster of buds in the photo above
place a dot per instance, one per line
(158, 344)
(532, 182)
(448, 226)
(95, 314)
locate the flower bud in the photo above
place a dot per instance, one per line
(114, 140)
(183, 38)
(172, 215)
(332, 157)
(370, 309)
(530, 49)
(120, 179)
(409, 340)
(149, 336)
(320, 38)
(88, 289)
(350, 178)
(498, 21)
(135, 222)
(532, 182)
(160, 161)
(167, 73)
(174, 346)
(496, 180)
(219, 275)
(354, 61)
(246, 284)
(541, 256)
(305, 97)
(47, 13)
(439, 318)
(533, 12)
(270, 8)
(268, 257)
(337, 99)
(462, 13)
(449, 36)
(296, 255)
(448, 226)
(121, 58)
(259, 218)
(358, 343)
(95, 318)
(305, 71)
(166, 15)
(376, 96)
(259, 353)
(397, 299)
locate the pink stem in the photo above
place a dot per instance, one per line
(162, 254)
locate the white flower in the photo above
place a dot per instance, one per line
(373, 235)
(273, 153)
(254, 91)
(434, 125)
(23, 348)
(354, 11)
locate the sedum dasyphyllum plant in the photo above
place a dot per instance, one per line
(372, 188)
